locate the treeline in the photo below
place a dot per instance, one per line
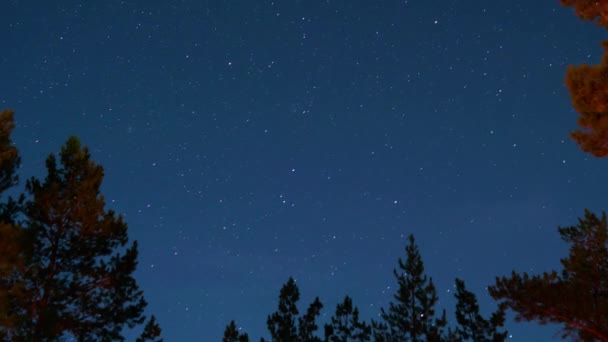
(575, 297)
(410, 317)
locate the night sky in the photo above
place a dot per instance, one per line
(247, 141)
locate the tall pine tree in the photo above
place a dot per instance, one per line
(575, 297)
(411, 317)
(68, 270)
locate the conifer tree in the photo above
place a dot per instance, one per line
(151, 332)
(232, 334)
(592, 10)
(9, 155)
(412, 316)
(282, 323)
(307, 324)
(345, 325)
(471, 324)
(12, 238)
(70, 272)
(588, 86)
(575, 297)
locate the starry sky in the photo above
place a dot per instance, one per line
(249, 141)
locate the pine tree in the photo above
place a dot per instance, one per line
(232, 334)
(590, 10)
(12, 238)
(9, 155)
(282, 323)
(412, 316)
(307, 324)
(588, 86)
(72, 273)
(577, 296)
(471, 324)
(345, 325)
(151, 332)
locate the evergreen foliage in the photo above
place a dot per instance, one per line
(412, 316)
(471, 324)
(232, 334)
(282, 323)
(151, 332)
(66, 265)
(592, 10)
(345, 325)
(575, 297)
(588, 86)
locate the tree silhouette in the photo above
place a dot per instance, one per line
(412, 316)
(232, 334)
(12, 238)
(65, 263)
(345, 325)
(151, 332)
(588, 86)
(282, 323)
(9, 156)
(590, 10)
(471, 324)
(307, 325)
(576, 297)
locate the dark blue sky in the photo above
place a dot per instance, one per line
(247, 141)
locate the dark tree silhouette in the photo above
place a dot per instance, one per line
(9, 156)
(471, 324)
(151, 332)
(12, 238)
(65, 265)
(577, 296)
(307, 325)
(232, 334)
(345, 325)
(412, 316)
(282, 323)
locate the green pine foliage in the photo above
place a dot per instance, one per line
(576, 296)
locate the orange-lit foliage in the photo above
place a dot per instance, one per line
(576, 297)
(588, 86)
(590, 10)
